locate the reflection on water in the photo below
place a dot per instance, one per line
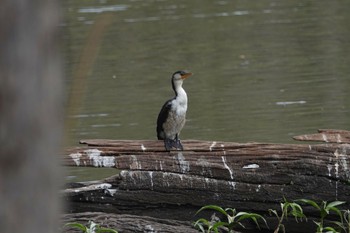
(264, 71)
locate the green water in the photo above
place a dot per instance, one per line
(263, 70)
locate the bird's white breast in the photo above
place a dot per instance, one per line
(179, 104)
(177, 115)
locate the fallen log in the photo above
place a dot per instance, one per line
(174, 185)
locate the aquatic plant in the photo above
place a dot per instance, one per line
(287, 209)
(325, 208)
(233, 217)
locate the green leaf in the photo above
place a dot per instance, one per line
(256, 222)
(330, 230)
(77, 225)
(233, 211)
(213, 207)
(336, 210)
(200, 227)
(252, 216)
(241, 215)
(245, 215)
(340, 225)
(297, 211)
(271, 211)
(283, 206)
(219, 224)
(319, 227)
(310, 202)
(335, 203)
(103, 229)
(200, 222)
(234, 224)
(230, 218)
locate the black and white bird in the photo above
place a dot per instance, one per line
(172, 116)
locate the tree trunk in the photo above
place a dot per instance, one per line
(31, 116)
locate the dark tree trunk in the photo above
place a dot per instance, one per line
(31, 116)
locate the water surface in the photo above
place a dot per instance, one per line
(263, 70)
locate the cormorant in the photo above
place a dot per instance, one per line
(172, 116)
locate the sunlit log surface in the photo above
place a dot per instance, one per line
(174, 185)
(327, 135)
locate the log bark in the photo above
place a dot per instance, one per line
(247, 176)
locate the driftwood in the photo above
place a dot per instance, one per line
(174, 185)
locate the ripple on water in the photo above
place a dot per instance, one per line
(102, 9)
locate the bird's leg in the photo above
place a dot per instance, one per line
(178, 144)
(168, 144)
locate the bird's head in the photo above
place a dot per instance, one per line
(181, 75)
(178, 78)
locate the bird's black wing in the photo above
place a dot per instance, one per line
(163, 115)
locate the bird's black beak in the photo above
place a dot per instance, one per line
(184, 76)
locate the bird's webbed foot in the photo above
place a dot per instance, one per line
(172, 143)
(177, 143)
(168, 144)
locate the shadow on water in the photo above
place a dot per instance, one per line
(264, 71)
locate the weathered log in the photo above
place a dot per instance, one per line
(174, 185)
(327, 135)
